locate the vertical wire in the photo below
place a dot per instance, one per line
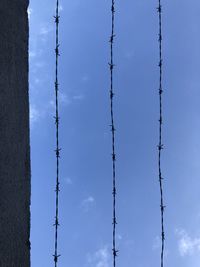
(57, 120)
(111, 66)
(160, 146)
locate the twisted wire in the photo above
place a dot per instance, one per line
(160, 146)
(57, 120)
(111, 66)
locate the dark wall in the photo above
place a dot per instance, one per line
(14, 135)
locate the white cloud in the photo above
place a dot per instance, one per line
(34, 114)
(37, 81)
(85, 78)
(87, 203)
(78, 97)
(30, 11)
(101, 258)
(156, 243)
(119, 237)
(186, 244)
(44, 30)
(32, 54)
(68, 181)
(129, 54)
(38, 113)
(64, 99)
(39, 64)
(60, 8)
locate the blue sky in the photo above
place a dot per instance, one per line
(86, 183)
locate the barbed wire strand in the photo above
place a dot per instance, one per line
(57, 120)
(111, 66)
(160, 146)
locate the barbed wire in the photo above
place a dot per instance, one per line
(111, 66)
(57, 120)
(160, 146)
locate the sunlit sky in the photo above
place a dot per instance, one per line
(85, 234)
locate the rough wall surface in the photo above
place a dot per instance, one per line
(14, 135)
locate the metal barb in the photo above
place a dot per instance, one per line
(111, 66)
(57, 150)
(112, 38)
(114, 191)
(57, 50)
(160, 145)
(115, 252)
(56, 258)
(56, 222)
(57, 121)
(57, 19)
(111, 94)
(113, 129)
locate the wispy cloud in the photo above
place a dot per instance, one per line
(32, 54)
(34, 114)
(60, 8)
(39, 112)
(42, 102)
(64, 101)
(85, 78)
(156, 243)
(30, 11)
(45, 30)
(87, 203)
(129, 54)
(186, 244)
(68, 181)
(78, 97)
(101, 258)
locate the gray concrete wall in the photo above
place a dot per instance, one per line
(14, 135)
